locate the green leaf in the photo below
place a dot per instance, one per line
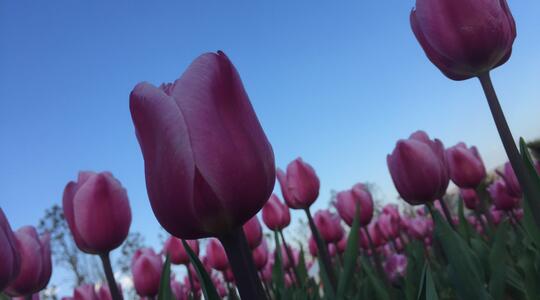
(165, 292)
(415, 263)
(463, 226)
(427, 285)
(532, 278)
(467, 280)
(497, 263)
(207, 286)
(278, 274)
(351, 256)
(302, 269)
(379, 289)
(530, 224)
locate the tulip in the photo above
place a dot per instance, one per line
(288, 263)
(329, 226)
(146, 267)
(33, 297)
(266, 274)
(178, 290)
(9, 255)
(228, 275)
(418, 168)
(393, 211)
(203, 148)
(253, 232)
(395, 267)
(464, 38)
(387, 226)
(465, 165)
(176, 251)
(299, 185)
(217, 258)
(348, 201)
(275, 214)
(470, 198)
(418, 228)
(260, 256)
(35, 263)
(103, 293)
(85, 292)
(342, 244)
(313, 250)
(511, 181)
(503, 199)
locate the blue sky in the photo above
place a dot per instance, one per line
(337, 84)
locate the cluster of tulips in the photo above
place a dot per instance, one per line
(210, 170)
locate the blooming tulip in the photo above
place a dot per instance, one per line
(9, 255)
(329, 226)
(253, 232)
(36, 264)
(503, 199)
(470, 198)
(418, 168)
(275, 214)
(97, 211)
(464, 38)
(299, 185)
(217, 258)
(146, 267)
(203, 148)
(347, 202)
(465, 165)
(395, 266)
(85, 292)
(176, 251)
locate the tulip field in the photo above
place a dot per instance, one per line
(210, 176)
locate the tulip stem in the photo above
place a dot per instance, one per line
(107, 267)
(527, 182)
(191, 286)
(322, 250)
(241, 260)
(291, 258)
(447, 213)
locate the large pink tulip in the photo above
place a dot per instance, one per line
(275, 214)
(465, 165)
(503, 199)
(419, 169)
(217, 258)
(9, 254)
(329, 226)
(299, 185)
(97, 211)
(146, 267)
(464, 38)
(36, 262)
(176, 251)
(347, 202)
(85, 292)
(203, 149)
(253, 232)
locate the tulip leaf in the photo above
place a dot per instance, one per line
(497, 263)
(379, 289)
(463, 226)
(165, 292)
(531, 225)
(278, 274)
(526, 263)
(427, 286)
(208, 288)
(302, 269)
(415, 261)
(351, 256)
(467, 279)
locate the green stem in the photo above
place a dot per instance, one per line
(113, 287)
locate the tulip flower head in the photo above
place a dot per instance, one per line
(348, 201)
(395, 267)
(512, 183)
(85, 292)
(9, 255)
(176, 251)
(329, 226)
(465, 165)
(146, 267)
(260, 255)
(503, 199)
(470, 198)
(253, 232)
(217, 258)
(203, 149)
(299, 185)
(275, 214)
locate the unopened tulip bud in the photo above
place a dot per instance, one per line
(299, 185)
(503, 199)
(85, 292)
(146, 267)
(512, 183)
(395, 267)
(347, 203)
(329, 226)
(176, 251)
(217, 258)
(275, 214)
(253, 232)
(9, 255)
(465, 165)
(470, 198)
(260, 256)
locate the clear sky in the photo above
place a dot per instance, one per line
(336, 82)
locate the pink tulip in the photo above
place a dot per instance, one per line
(146, 267)
(275, 214)
(36, 265)
(466, 166)
(253, 232)
(519, 213)
(179, 291)
(103, 293)
(470, 198)
(503, 199)
(9, 254)
(342, 244)
(393, 211)
(260, 256)
(395, 267)
(329, 226)
(496, 215)
(418, 168)
(347, 202)
(418, 228)
(176, 251)
(512, 183)
(97, 211)
(33, 297)
(387, 226)
(464, 38)
(203, 148)
(266, 274)
(287, 264)
(217, 258)
(300, 185)
(228, 275)
(85, 292)
(220, 287)
(376, 235)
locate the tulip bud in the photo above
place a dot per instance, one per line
(34, 297)
(287, 264)
(300, 185)
(388, 227)
(512, 183)
(418, 168)
(176, 251)
(470, 198)
(179, 291)
(228, 275)
(275, 214)
(395, 267)
(393, 211)
(260, 256)
(465, 165)
(329, 226)
(217, 258)
(348, 201)
(97, 211)
(85, 292)
(464, 38)
(146, 267)
(253, 232)
(418, 228)
(36, 264)
(103, 293)
(502, 197)
(342, 244)
(203, 148)
(9, 255)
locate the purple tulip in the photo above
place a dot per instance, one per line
(387, 226)
(176, 251)
(418, 228)
(260, 255)
(347, 202)
(329, 226)
(9, 255)
(203, 148)
(146, 267)
(97, 211)
(275, 214)
(85, 292)
(464, 38)
(503, 199)
(470, 198)
(36, 263)
(395, 266)
(300, 185)
(217, 258)
(253, 232)
(393, 211)
(103, 293)
(512, 183)
(465, 165)
(418, 168)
